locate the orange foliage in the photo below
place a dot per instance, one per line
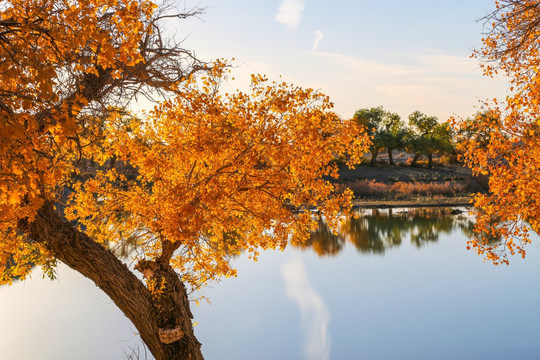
(202, 176)
(177, 190)
(218, 174)
(505, 141)
(49, 49)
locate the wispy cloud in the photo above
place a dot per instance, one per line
(290, 12)
(318, 37)
(433, 82)
(360, 64)
(315, 314)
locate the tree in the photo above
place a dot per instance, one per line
(473, 131)
(444, 139)
(424, 137)
(201, 177)
(392, 134)
(385, 128)
(509, 154)
(371, 119)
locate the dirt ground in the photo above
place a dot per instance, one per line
(392, 173)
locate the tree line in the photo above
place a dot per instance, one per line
(421, 135)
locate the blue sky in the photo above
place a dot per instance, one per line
(405, 55)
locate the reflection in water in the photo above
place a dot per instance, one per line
(375, 231)
(315, 314)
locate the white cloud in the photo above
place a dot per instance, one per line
(290, 12)
(315, 314)
(318, 37)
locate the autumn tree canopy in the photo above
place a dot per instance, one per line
(177, 190)
(505, 138)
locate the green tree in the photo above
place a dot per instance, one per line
(426, 136)
(371, 119)
(392, 134)
(444, 139)
(385, 128)
(473, 130)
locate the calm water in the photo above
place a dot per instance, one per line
(400, 287)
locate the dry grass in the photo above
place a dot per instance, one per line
(400, 190)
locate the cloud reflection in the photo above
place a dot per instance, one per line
(315, 314)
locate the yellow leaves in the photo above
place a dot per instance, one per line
(219, 174)
(13, 198)
(212, 174)
(43, 126)
(505, 146)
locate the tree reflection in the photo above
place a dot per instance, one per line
(323, 241)
(373, 232)
(376, 231)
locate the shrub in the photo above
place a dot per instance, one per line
(446, 160)
(370, 189)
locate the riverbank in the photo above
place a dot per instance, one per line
(391, 186)
(413, 203)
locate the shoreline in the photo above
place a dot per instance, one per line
(394, 186)
(413, 203)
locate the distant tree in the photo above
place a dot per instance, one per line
(385, 128)
(444, 139)
(421, 123)
(477, 130)
(423, 137)
(413, 144)
(392, 134)
(372, 120)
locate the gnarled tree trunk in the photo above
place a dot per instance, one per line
(91, 259)
(390, 157)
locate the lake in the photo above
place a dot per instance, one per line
(388, 286)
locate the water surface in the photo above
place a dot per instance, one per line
(400, 287)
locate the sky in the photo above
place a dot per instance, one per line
(404, 55)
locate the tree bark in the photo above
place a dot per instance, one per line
(95, 262)
(373, 158)
(415, 159)
(390, 158)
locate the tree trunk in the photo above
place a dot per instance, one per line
(390, 158)
(430, 160)
(415, 159)
(92, 260)
(373, 158)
